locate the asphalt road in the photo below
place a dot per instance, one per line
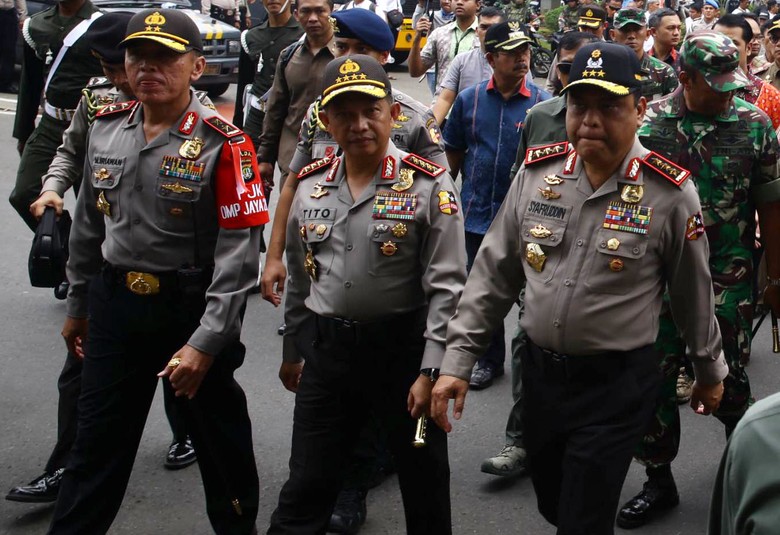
(162, 502)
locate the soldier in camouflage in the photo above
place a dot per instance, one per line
(630, 29)
(732, 150)
(568, 18)
(516, 10)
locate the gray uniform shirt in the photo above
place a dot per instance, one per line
(419, 229)
(467, 70)
(599, 289)
(150, 227)
(68, 164)
(415, 131)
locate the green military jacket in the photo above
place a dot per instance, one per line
(658, 78)
(43, 35)
(263, 44)
(544, 124)
(568, 18)
(733, 158)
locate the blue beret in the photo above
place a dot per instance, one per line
(365, 26)
(712, 3)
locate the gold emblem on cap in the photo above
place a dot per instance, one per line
(399, 230)
(321, 230)
(589, 13)
(553, 180)
(191, 148)
(540, 231)
(102, 205)
(616, 265)
(548, 193)
(349, 67)
(632, 193)
(102, 174)
(596, 54)
(333, 24)
(535, 256)
(405, 180)
(388, 248)
(155, 19)
(613, 244)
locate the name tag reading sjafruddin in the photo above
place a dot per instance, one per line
(394, 205)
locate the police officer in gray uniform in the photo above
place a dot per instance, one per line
(163, 251)
(600, 230)
(377, 264)
(357, 31)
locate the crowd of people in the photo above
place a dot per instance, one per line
(629, 204)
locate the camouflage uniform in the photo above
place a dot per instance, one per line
(568, 18)
(734, 161)
(515, 12)
(658, 78)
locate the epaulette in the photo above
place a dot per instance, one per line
(667, 169)
(222, 126)
(314, 166)
(116, 108)
(99, 81)
(537, 154)
(426, 166)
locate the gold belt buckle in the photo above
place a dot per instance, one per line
(142, 283)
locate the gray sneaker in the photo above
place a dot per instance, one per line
(509, 463)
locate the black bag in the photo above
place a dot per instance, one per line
(49, 251)
(395, 18)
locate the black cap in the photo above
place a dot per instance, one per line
(105, 33)
(358, 73)
(612, 67)
(591, 16)
(169, 27)
(506, 36)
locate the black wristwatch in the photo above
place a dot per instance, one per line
(430, 373)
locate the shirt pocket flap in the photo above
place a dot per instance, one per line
(316, 231)
(381, 231)
(623, 244)
(107, 177)
(545, 232)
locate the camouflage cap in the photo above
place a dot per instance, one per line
(591, 16)
(624, 17)
(714, 56)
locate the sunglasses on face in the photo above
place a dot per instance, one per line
(564, 67)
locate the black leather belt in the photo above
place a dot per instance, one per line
(349, 331)
(601, 365)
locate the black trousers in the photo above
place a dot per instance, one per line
(350, 372)
(582, 419)
(8, 34)
(130, 339)
(69, 386)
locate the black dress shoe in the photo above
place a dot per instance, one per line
(482, 377)
(180, 455)
(281, 329)
(349, 513)
(43, 489)
(61, 291)
(653, 499)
